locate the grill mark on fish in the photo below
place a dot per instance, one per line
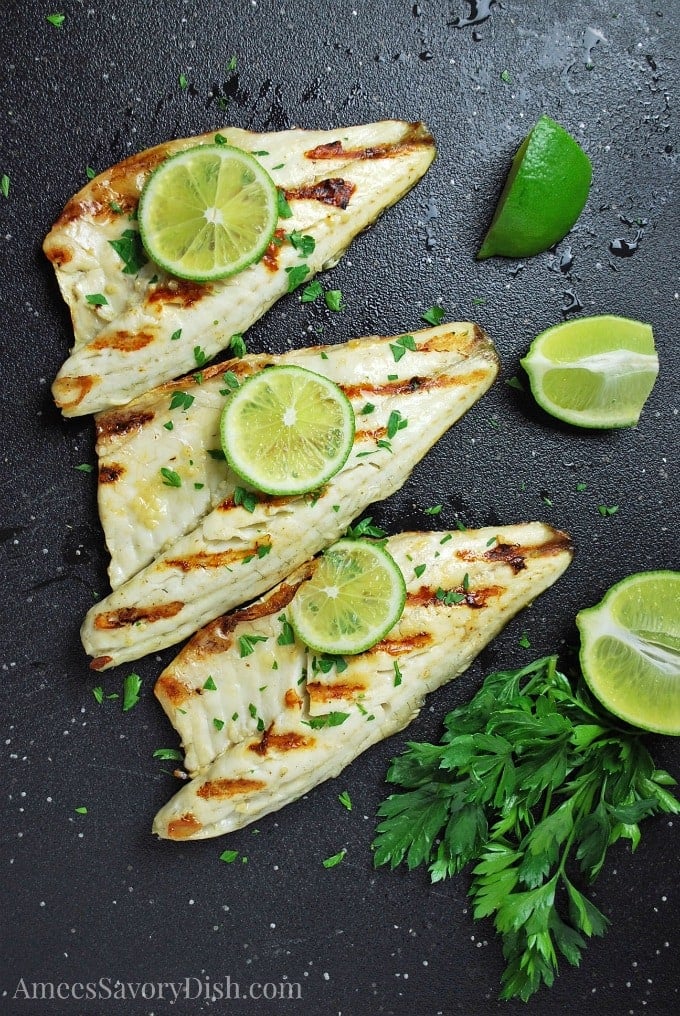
(510, 553)
(124, 341)
(270, 258)
(288, 741)
(184, 827)
(60, 256)
(177, 293)
(333, 191)
(113, 619)
(111, 473)
(474, 598)
(122, 421)
(222, 789)
(329, 692)
(70, 391)
(292, 700)
(216, 637)
(406, 386)
(406, 644)
(208, 559)
(172, 690)
(416, 137)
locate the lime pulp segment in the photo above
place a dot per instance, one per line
(208, 212)
(543, 196)
(594, 371)
(354, 598)
(630, 650)
(287, 430)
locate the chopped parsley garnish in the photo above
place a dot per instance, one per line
(398, 676)
(581, 486)
(170, 477)
(283, 206)
(396, 422)
(365, 528)
(296, 276)
(606, 510)
(220, 139)
(491, 541)
(331, 862)
(326, 661)
(247, 643)
(311, 292)
(232, 63)
(216, 453)
(57, 20)
(263, 549)
(333, 299)
(176, 335)
(433, 316)
(246, 498)
(345, 800)
(169, 754)
(129, 248)
(183, 82)
(237, 346)
(434, 509)
(514, 382)
(304, 243)
(419, 570)
(4, 185)
(98, 693)
(81, 811)
(449, 596)
(531, 783)
(131, 688)
(523, 641)
(181, 400)
(200, 357)
(445, 539)
(84, 467)
(332, 719)
(382, 443)
(505, 77)
(210, 683)
(229, 856)
(231, 381)
(401, 345)
(96, 299)
(217, 723)
(368, 408)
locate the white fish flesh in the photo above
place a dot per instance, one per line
(242, 546)
(136, 327)
(263, 720)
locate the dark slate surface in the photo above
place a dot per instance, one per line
(94, 896)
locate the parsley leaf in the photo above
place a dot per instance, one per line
(170, 477)
(4, 185)
(131, 688)
(433, 316)
(169, 754)
(129, 248)
(401, 345)
(332, 719)
(237, 346)
(304, 243)
(246, 498)
(181, 400)
(331, 862)
(311, 292)
(345, 800)
(247, 643)
(283, 206)
(333, 299)
(96, 299)
(365, 528)
(296, 276)
(531, 781)
(57, 20)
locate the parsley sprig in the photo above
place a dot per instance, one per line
(532, 782)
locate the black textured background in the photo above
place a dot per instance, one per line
(89, 896)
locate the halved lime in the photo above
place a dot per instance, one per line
(593, 371)
(353, 599)
(287, 430)
(543, 196)
(630, 650)
(207, 212)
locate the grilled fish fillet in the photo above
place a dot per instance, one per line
(177, 426)
(336, 183)
(234, 554)
(263, 722)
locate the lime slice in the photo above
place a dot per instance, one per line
(543, 196)
(593, 371)
(355, 596)
(630, 650)
(287, 430)
(207, 212)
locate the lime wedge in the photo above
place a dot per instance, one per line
(287, 430)
(207, 212)
(630, 650)
(543, 196)
(593, 371)
(353, 599)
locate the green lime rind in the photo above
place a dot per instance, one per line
(630, 650)
(545, 192)
(594, 372)
(207, 212)
(355, 597)
(287, 430)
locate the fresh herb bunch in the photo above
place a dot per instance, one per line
(532, 782)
